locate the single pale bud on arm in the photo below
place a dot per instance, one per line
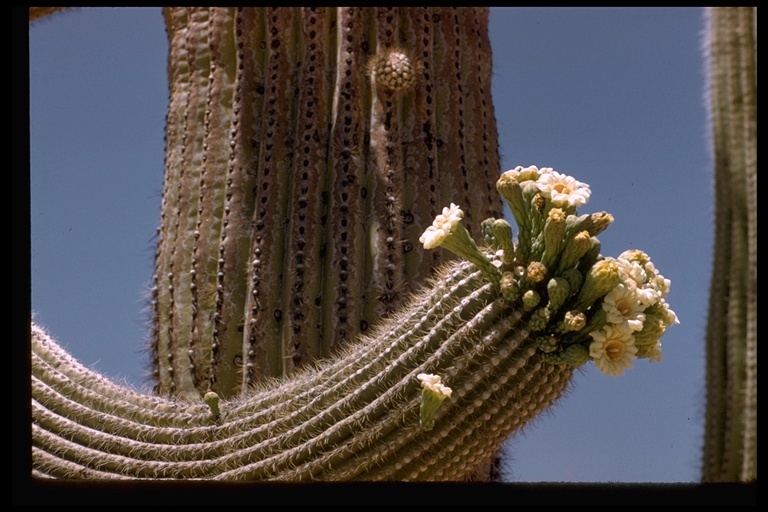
(212, 401)
(433, 394)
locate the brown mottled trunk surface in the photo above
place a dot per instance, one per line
(297, 185)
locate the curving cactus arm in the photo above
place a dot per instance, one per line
(357, 417)
(490, 344)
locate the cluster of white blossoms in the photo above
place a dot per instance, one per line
(441, 227)
(634, 307)
(582, 305)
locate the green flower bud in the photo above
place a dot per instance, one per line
(574, 224)
(503, 234)
(594, 224)
(652, 352)
(510, 288)
(547, 344)
(211, 399)
(512, 192)
(575, 355)
(594, 323)
(592, 255)
(538, 218)
(599, 222)
(653, 329)
(554, 233)
(531, 299)
(575, 280)
(539, 319)
(574, 249)
(528, 247)
(558, 291)
(601, 278)
(486, 227)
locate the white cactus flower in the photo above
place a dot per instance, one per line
(441, 227)
(563, 190)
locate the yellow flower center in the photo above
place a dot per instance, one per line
(560, 188)
(614, 350)
(624, 308)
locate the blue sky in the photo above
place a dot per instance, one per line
(611, 96)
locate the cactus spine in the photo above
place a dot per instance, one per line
(730, 442)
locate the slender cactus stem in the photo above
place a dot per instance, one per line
(730, 443)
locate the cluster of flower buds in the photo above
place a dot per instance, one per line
(582, 306)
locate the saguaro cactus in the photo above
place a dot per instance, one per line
(730, 442)
(306, 151)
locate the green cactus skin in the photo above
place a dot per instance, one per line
(297, 183)
(355, 417)
(730, 441)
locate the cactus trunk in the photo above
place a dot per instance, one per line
(730, 442)
(298, 179)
